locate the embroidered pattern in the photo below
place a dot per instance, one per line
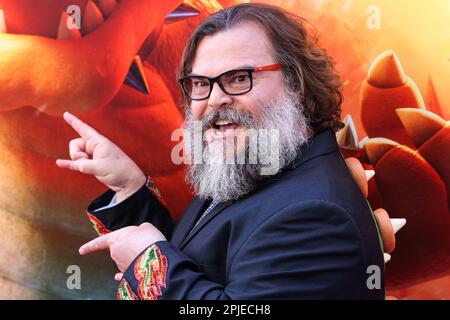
(154, 190)
(98, 225)
(124, 291)
(150, 271)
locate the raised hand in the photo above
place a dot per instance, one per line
(94, 154)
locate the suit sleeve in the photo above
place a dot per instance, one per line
(145, 205)
(308, 250)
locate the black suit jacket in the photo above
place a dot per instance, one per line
(307, 233)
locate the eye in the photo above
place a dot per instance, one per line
(200, 83)
(239, 78)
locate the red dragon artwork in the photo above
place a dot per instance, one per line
(117, 72)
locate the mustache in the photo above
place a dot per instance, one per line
(244, 118)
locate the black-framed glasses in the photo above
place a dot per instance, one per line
(234, 82)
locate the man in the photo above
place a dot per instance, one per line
(301, 231)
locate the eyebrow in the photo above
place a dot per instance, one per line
(245, 66)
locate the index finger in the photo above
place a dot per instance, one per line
(100, 243)
(79, 126)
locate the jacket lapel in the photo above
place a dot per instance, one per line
(192, 232)
(188, 220)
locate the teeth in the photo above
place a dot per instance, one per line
(92, 18)
(2, 22)
(107, 7)
(64, 33)
(222, 123)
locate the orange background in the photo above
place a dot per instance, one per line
(41, 206)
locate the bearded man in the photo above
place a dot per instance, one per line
(276, 213)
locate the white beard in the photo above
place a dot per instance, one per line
(216, 179)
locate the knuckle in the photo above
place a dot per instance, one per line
(75, 166)
(102, 140)
(112, 242)
(80, 165)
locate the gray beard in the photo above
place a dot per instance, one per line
(221, 181)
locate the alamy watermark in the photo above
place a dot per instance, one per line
(374, 279)
(74, 19)
(250, 146)
(73, 281)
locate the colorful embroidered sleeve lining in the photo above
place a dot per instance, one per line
(98, 225)
(151, 186)
(124, 292)
(150, 271)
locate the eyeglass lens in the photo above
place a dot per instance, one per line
(232, 82)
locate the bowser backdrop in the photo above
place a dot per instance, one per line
(114, 64)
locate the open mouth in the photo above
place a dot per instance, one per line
(85, 60)
(222, 128)
(224, 125)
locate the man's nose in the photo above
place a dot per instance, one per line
(219, 98)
